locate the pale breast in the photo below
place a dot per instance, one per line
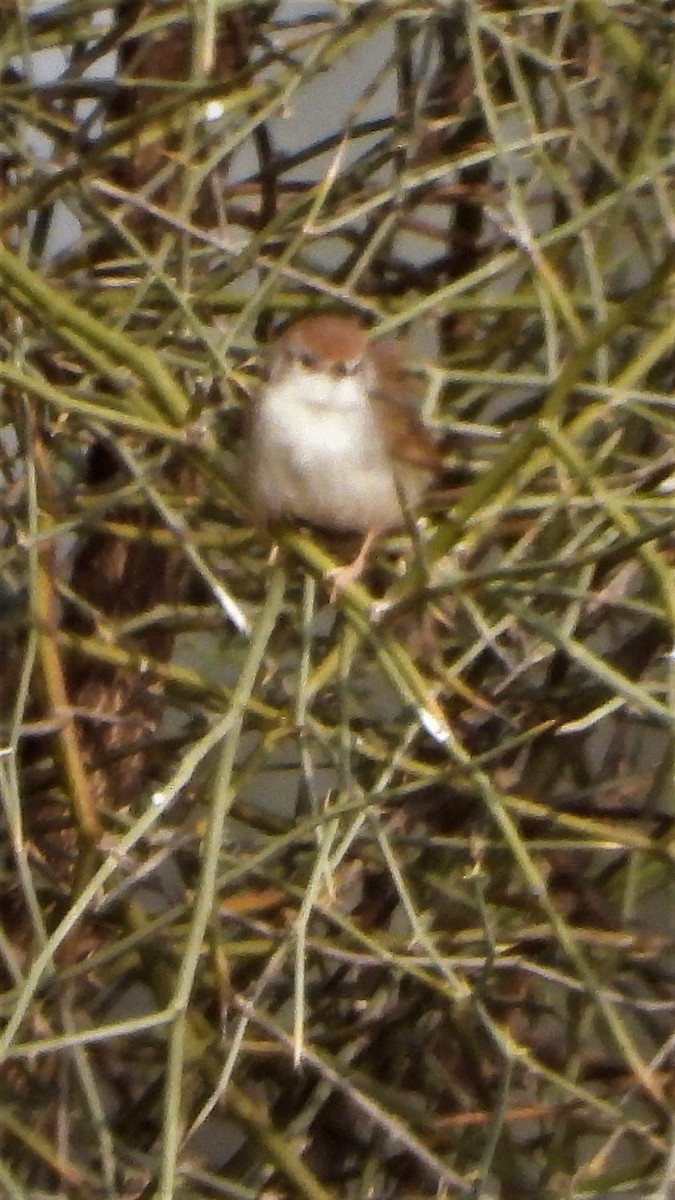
(319, 456)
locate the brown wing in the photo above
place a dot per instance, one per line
(395, 406)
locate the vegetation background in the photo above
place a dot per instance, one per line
(373, 901)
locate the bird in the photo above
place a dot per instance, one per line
(337, 439)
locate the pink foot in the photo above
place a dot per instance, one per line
(343, 576)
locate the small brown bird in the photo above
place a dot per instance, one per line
(337, 439)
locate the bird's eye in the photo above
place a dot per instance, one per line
(307, 359)
(343, 369)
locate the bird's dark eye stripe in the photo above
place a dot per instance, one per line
(346, 368)
(304, 357)
(339, 369)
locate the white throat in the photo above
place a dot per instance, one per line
(302, 387)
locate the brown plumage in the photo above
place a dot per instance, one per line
(337, 439)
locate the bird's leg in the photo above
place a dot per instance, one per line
(343, 576)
